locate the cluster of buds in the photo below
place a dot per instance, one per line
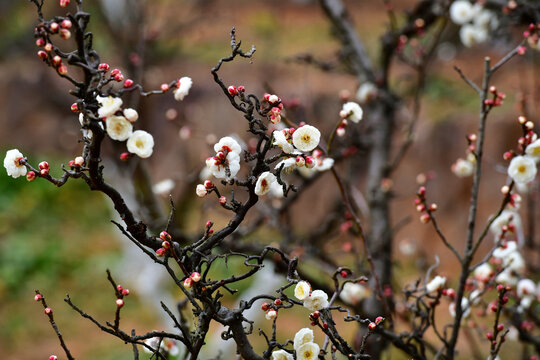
(76, 163)
(275, 114)
(233, 90)
(272, 99)
(306, 160)
(117, 75)
(271, 309)
(531, 34)
(498, 98)
(471, 140)
(372, 325)
(421, 207)
(340, 130)
(529, 135)
(202, 189)
(195, 277)
(314, 317)
(165, 245)
(120, 294)
(44, 168)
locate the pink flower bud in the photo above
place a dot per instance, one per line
(115, 72)
(40, 42)
(57, 60)
(104, 66)
(266, 96)
(62, 70)
(272, 99)
(165, 87)
(500, 327)
(208, 184)
(265, 306)
(128, 83)
(160, 252)
(422, 191)
(372, 326)
(379, 319)
(53, 357)
(38, 297)
(64, 3)
(79, 161)
(119, 303)
(241, 88)
(209, 224)
(118, 77)
(424, 218)
(300, 161)
(43, 165)
(433, 207)
(277, 302)
(65, 34)
(119, 287)
(196, 277)
(188, 283)
(71, 163)
(48, 47)
(492, 89)
(166, 245)
(232, 90)
(54, 27)
(44, 172)
(66, 24)
(47, 311)
(124, 156)
(222, 200)
(125, 292)
(74, 107)
(310, 162)
(521, 50)
(31, 176)
(42, 55)
(340, 131)
(165, 236)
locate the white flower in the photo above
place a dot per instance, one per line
(227, 143)
(302, 290)
(533, 150)
(12, 165)
(288, 164)
(119, 128)
(366, 92)
(352, 111)
(265, 180)
(461, 12)
(353, 293)
(281, 355)
(505, 250)
(514, 262)
(463, 168)
(317, 300)
(131, 114)
(506, 278)
(504, 219)
(483, 272)
(217, 167)
(522, 169)
(281, 141)
(141, 144)
(465, 308)
(437, 283)
(184, 84)
(486, 19)
(471, 35)
(163, 187)
(302, 337)
(306, 138)
(526, 288)
(324, 164)
(308, 351)
(108, 105)
(200, 190)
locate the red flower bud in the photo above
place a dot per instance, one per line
(128, 83)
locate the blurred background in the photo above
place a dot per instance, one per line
(61, 240)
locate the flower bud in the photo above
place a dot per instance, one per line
(104, 66)
(64, 3)
(241, 88)
(160, 252)
(128, 83)
(272, 99)
(53, 357)
(300, 161)
(316, 314)
(379, 319)
(48, 47)
(165, 236)
(188, 283)
(42, 55)
(222, 200)
(43, 165)
(115, 72)
(54, 27)
(265, 306)
(57, 60)
(65, 34)
(200, 190)
(343, 274)
(166, 245)
(47, 311)
(208, 184)
(30, 176)
(118, 77)
(74, 107)
(62, 70)
(124, 156)
(340, 131)
(372, 326)
(125, 292)
(424, 218)
(310, 162)
(165, 87)
(79, 161)
(232, 90)
(66, 24)
(195, 276)
(38, 297)
(277, 302)
(119, 303)
(271, 314)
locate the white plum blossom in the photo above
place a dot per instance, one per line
(264, 182)
(141, 144)
(366, 92)
(217, 166)
(306, 138)
(514, 262)
(522, 169)
(108, 105)
(12, 163)
(303, 336)
(486, 19)
(200, 190)
(506, 218)
(461, 12)
(119, 128)
(324, 164)
(352, 111)
(288, 164)
(463, 168)
(163, 187)
(505, 250)
(131, 114)
(308, 351)
(533, 150)
(317, 300)
(483, 272)
(506, 278)
(526, 288)
(302, 290)
(353, 293)
(276, 190)
(465, 308)
(281, 140)
(228, 144)
(184, 84)
(437, 283)
(471, 35)
(281, 355)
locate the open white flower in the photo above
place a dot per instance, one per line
(302, 337)
(461, 12)
(463, 168)
(218, 167)
(522, 169)
(131, 114)
(352, 111)
(526, 287)
(533, 150)
(264, 182)
(229, 144)
(353, 293)
(108, 105)
(324, 164)
(471, 35)
(506, 278)
(308, 351)
(302, 290)
(119, 128)
(12, 163)
(184, 84)
(437, 283)
(483, 272)
(281, 355)
(288, 164)
(281, 141)
(317, 300)
(306, 138)
(366, 92)
(141, 144)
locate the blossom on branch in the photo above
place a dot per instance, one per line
(281, 355)
(281, 140)
(141, 144)
(184, 84)
(522, 169)
(308, 351)
(303, 336)
(264, 183)
(302, 290)
(119, 128)
(13, 165)
(108, 105)
(352, 111)
(317, 300)
(306, 138)
(353, 293)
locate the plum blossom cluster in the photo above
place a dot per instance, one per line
(304, 347)
(475, 21)
(522, 168)
(350, 111)
(313, 300)
(466, 167)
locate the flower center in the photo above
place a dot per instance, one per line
(306, 138)
(139, 144)
(522, 168)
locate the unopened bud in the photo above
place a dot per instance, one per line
(232, 90)
(424, 218)
(38, 297)
(241, 88)
(66, 23)
(125, 292)
(271, 314)
(379, 319)
(522, 120)
(65, 34)
(53, 357)
(265, 306)
(104, 66)
(128, 83)
(165, 87)
(40, 42)
(62, 70)
(166, 245)
(222, 200)
(277, 302)
(273, 99)
(30, 176)
(119, 303)
(165, 236)
(54, 27)
(47, 311)
(160, 252)
(195, 276)
(64, 3)
(124, 156)
(118, 77)
(310, 162)
(208, 184)
(48, 47)
(79, 161)
(188, 283)
(42, 55)
(529, 125)
(300, 161)
(372, 326)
